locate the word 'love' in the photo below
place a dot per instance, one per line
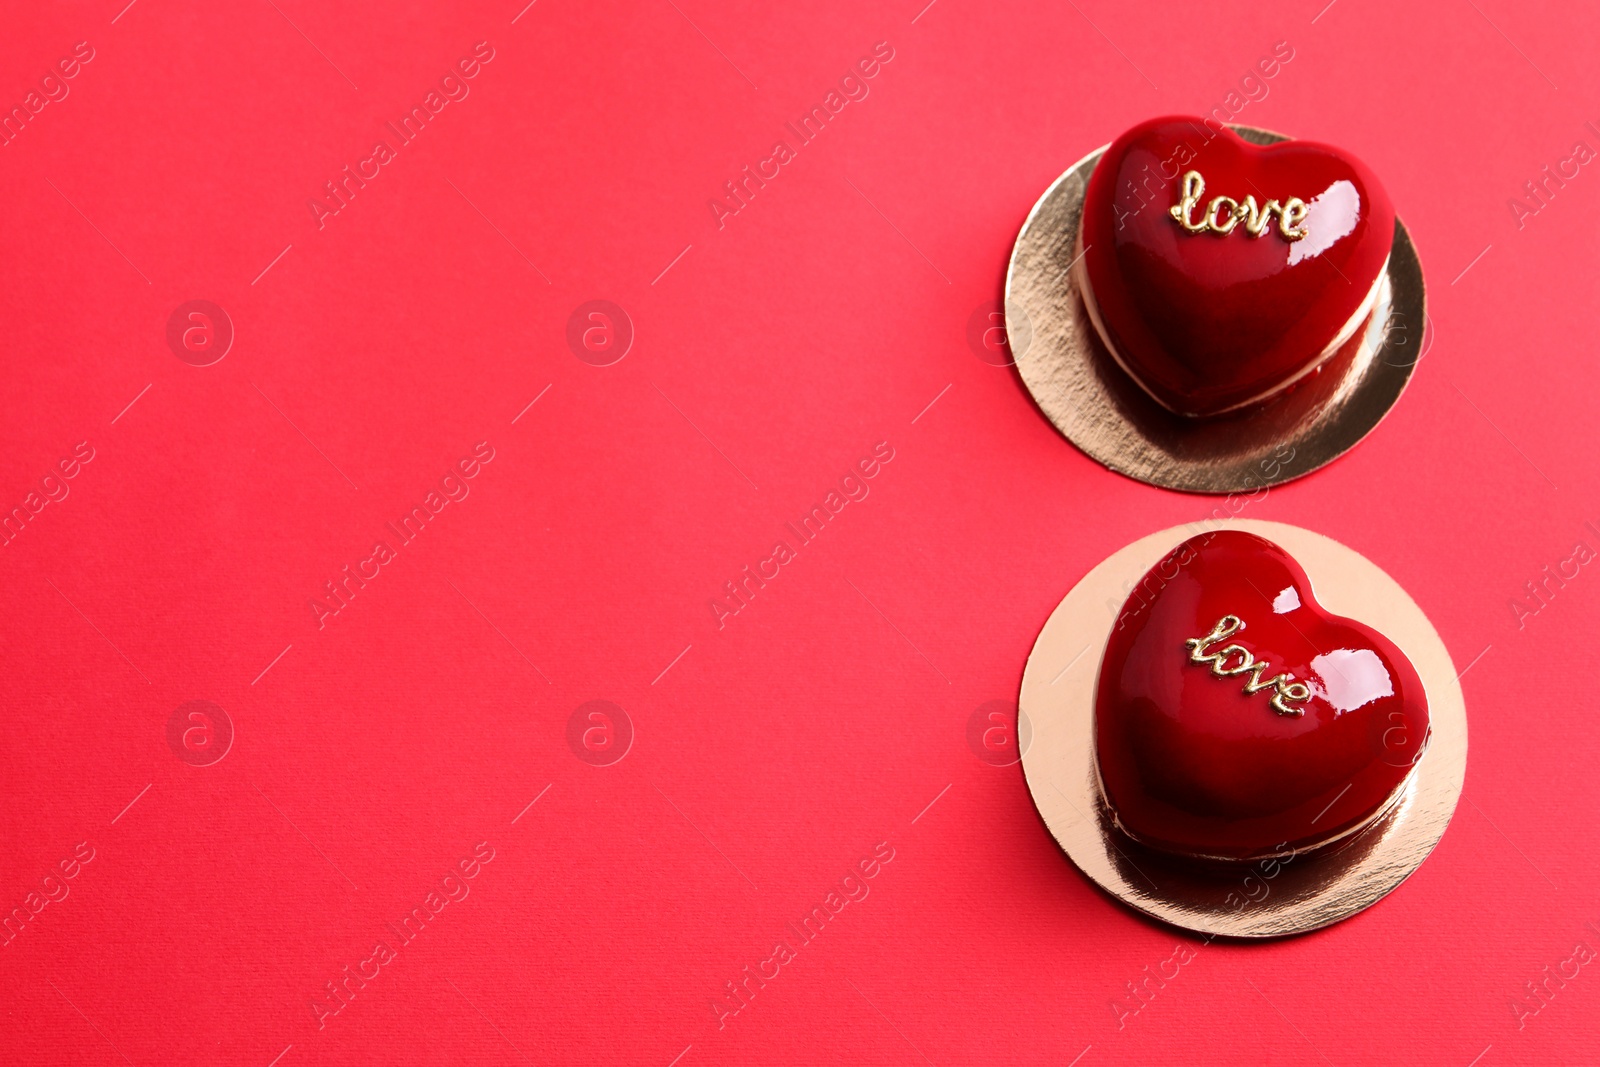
(1288, 692)
(1224, 212)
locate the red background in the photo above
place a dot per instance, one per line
(776, 751)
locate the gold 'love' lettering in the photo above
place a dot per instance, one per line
(1231, 660)
(1223, 213)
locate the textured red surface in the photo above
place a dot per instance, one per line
(768, 758)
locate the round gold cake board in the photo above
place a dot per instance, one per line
(1080, 388)
(1269, 898)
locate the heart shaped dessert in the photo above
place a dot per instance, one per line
(1219, 273)
(1235, 719)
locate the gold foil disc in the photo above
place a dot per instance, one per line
(1270, 898)
(1080, 388)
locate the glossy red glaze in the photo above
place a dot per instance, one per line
(1208, 322)
(1192, 763)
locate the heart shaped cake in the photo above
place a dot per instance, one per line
(1235, 719)
(1219, 273)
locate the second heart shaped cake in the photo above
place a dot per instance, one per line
(1236, 719)
(1219, 273)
